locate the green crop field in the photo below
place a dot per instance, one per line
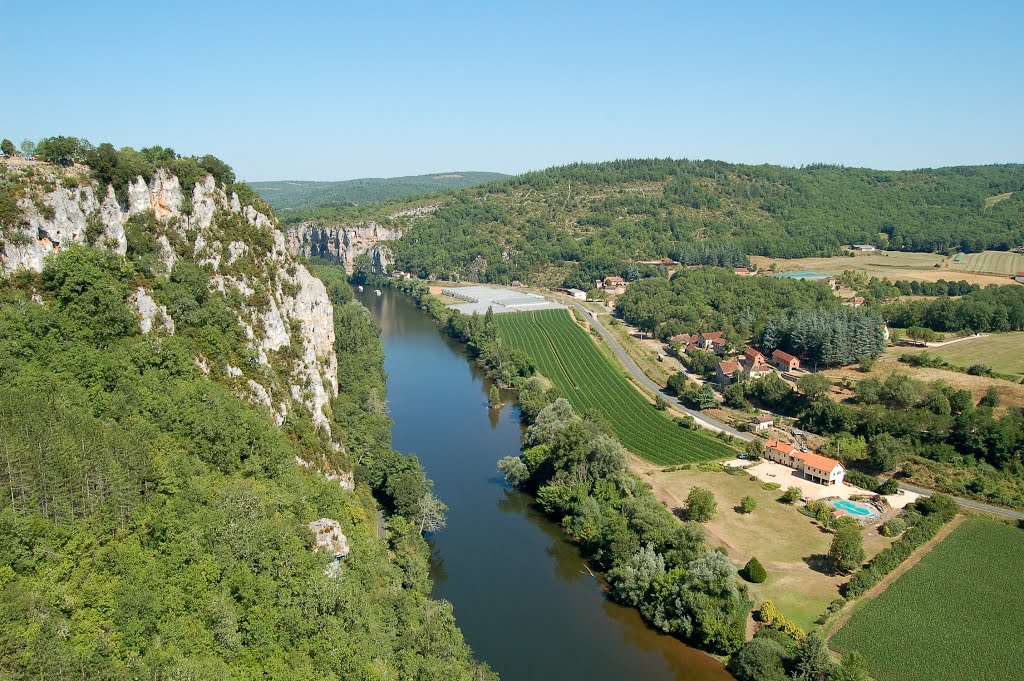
(994, 262)
(955, 615)
(592, 383)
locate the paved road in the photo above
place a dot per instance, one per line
(967, 503)
(714, 424)
(702, 419)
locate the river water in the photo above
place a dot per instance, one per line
(522, 594)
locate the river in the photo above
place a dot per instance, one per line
(522, 594)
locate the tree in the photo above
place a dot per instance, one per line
(754, 571)
(852, 668)
(812, 659)
(886, 452)
(990, 398)
(760, 659)
(866, 363)
(791, 495)
(659, 403)
(748, 504)
(700, 505)
(28, 148)
(754, 448)
(631, 581)
(493, 397)
(430, 516)
(847, 549)
(7, 147)
(514, 469)
(704, 398)
(814, 386)
(846, 447)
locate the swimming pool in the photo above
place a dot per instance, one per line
(804, 274)
(854, 508)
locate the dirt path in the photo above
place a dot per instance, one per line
(914, 559)
(956, 340)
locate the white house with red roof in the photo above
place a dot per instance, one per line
(814, 467)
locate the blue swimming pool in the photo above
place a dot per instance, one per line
(855, 508)
(803, 274)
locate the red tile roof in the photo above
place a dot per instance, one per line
(710, 335)
(763, 418)
(781, 447)
(753, 356)
(818, 461)
(783, 356)
(728, 368)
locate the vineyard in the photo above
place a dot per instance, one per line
(955, 615)
(593, 384)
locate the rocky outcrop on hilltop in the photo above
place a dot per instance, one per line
(281, 307)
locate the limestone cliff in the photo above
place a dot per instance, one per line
(283, 309)
(344, 242)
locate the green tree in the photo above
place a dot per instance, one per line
(866, 363)
(852, 668)
(7, 147)
(760, 659)
(814, 386)
(754, 571)
(990, 398)
(791, 495)
(754, 448)
(812, 659)
(493, 397)
(632, 580)
(847, 549)
(748, 504)
(700, 505)
(704, 397)
(514, 469)
(28, 148)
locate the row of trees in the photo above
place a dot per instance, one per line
(995, 308)
(654, 563)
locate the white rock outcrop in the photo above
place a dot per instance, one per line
(151, 315)
(343, 243)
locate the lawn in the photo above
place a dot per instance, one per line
(779, 535)
(996, 262)
(1004, 352)
(955, 615)
(593, 383)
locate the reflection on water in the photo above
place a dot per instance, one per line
(523, 595)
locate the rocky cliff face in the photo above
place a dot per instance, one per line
(282, 306)
(343, 243)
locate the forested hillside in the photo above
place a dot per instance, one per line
(178, 403)
(594, 217)
(291, 194)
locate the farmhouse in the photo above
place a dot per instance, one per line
(753, 358)
(783, 361)
(752, 372)
(742, 271)
(725, 372)
(856, 301)
(713, 341)
(814, 467)
(867, 248)
(683, 339)
(612, 282)
(761, 423)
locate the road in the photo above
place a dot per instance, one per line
(714, 424)
(702, 419)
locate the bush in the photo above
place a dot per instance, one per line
(893, 527)
(700, 505)
(791, 495)
(862, 480)
(754, 571)
(770, 486)
(748, 504)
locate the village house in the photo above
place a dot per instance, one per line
(614, 282)
(762, 423)
(814, 467)
(783, 361)
(753, 372)
(725, 372)
(713, 341)
(856, 301)
(742, 271)
(753, 357)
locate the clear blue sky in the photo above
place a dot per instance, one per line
(337, 90)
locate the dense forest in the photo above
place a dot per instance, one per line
(154, 524)
(995, 308)
(297, 194)
(715, 299)
(601, 215)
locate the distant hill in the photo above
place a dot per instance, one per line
(287, 194)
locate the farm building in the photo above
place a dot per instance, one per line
(762, 422)
(712, 340)
(783, 361)
(613, 282)
(866, 248)
(742, 271)
(856, 301)
(814, 467)
(575, 293)
(725, 372)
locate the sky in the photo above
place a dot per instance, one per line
(340, 90)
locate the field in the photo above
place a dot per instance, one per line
(997, 262)
(955, 615)
(592, 383)
(891, 264)
(779, 535)
(1004, 352)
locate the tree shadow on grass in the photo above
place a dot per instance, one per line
(820, 562)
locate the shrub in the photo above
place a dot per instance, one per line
(748, 504)
(894, 527)
(700, 505)
(770, 486)
(754, 571)
(862, 480)
(791, 495)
